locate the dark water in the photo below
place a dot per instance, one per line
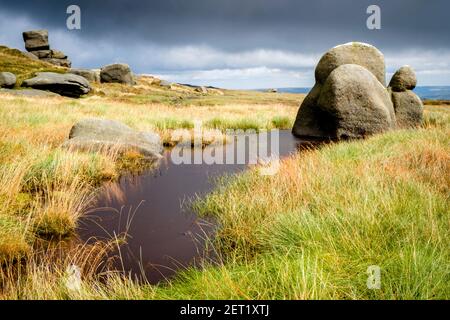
(426, 92)
(164, 234)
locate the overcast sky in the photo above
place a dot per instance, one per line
(236, 43)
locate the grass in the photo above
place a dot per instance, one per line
(12, 60)
(312, 230)
(308, 232)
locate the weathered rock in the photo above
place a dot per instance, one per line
(58, 62)
(404, 79)
(36, 40)
(7, 80)
(311, 121)
(89, 75)
(56, 54)
(29, 93)
(29, 55)
(358, 53)
(408, 109)
(99, 135)
(42, 53)
(272, 90)
(357, 103)
(117, 73)
(69, 85)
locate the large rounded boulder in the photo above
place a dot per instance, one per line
(117, 73)
(100, 135)
(69, 85)
(355, 103)
(358, 53)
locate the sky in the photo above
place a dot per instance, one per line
(240, 44)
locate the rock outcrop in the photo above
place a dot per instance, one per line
(99, 135)
(69, 85)
(7, 80)
(350, 100)
(36, 42)
(408, 106)
(117, 73)
(89, 75)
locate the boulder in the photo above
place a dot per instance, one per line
(56, 54)
(408, 109)
(58, 62)
(311, 121)
(36, 40)
(117, 73)
(89, 75)
(7, 80)
(69, 85)
(355, 104)
(42, 53)
(404, 79)
(358, 53)
(99, 135)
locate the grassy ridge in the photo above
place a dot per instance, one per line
(12, 60)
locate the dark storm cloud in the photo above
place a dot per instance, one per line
(236, 43)
(244, 24)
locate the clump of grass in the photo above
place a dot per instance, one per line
(14, 239)
(282, 122)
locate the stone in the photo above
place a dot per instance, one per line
(7, 80)
(29, 93)
(358, 53)
(29, 55)
(100, 135)
(408, 109)
(117, 73)
(272, 90)
(58, 62)
(355, 104)
(42, 53)
(165, 84)
(404, 79)
(56, 54)
(69, 85)
(311, 121)
(89, 75)
(36, 40)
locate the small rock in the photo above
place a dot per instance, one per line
(7, 80)
(42, 53)
(404, 79)
(29, 55)
(201, 89)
